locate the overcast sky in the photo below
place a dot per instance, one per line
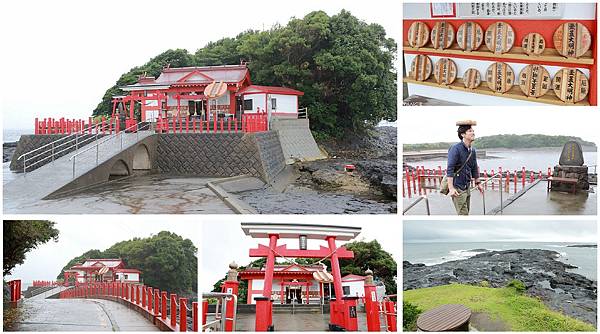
(61, 56)
(79, 234)
(418, 126)
(224, 241)
(501, 230)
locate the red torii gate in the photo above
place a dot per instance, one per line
(343, 313)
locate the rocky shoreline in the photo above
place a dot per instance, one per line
(8, 150)
(543, 275)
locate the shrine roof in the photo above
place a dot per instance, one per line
(90, 263)
(269, 90)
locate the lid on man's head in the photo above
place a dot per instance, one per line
(466, 122)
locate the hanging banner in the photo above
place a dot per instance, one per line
(508, 10)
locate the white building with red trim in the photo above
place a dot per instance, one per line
(101, 270)
(179, 92)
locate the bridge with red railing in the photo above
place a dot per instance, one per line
(167, 312)
(421, 180)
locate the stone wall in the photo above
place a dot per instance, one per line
(219, 155)
(31, 142)
(574, 172)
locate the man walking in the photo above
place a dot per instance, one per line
(462, 168)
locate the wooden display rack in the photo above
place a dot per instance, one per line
(513, 93)
(550, 57)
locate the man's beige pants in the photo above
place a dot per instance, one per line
(462, 202)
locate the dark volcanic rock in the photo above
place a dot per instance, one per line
(583, 246)
(8, 150)
(543, 275)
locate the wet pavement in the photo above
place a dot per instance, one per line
(50, 315)
(298, 199)
(299, 322)
(152, 194)
(535, 201)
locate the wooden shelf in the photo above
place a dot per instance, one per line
(514, 93)
(516, 53)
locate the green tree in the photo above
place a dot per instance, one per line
(21, 236)
(166, 260)
(343, 65)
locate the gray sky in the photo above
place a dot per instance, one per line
(224, 241)
(501, 230)
(73, 51)
(79, 234)
(418, 126)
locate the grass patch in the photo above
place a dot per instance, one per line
(518, 312)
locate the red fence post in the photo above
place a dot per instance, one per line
(143, 288)
(156, 302)
(173, 310)
(194, 316)
(163, 305)
(204, 311)
(149, 299)
(391, 316)
(183, 314)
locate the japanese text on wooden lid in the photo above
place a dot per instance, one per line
(442, 35)
(533, 44)
(500, 77)
(421, 68)
(534, 80)
(570, 85)
(444, 71)
(572, 39)
(469, 36)
(472, 78)
(418, 34)
(499, 37)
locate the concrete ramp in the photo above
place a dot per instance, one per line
(49, 293)
(297, 142)
(117, 156)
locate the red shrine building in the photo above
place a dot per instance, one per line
(101, 270)
(179, 92)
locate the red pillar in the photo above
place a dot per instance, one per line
(183, 314)
(173, 310)
(371, 304)
(163, 305)
(337, 310)
(230, 287)
(390, 311)
(264, 306)
(194, 316)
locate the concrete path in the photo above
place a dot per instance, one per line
(49, 293)
(33, 186)
(299, 322)
(153, 194)
(50, 315)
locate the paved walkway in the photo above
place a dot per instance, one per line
(50, 315)
(300, 322)
(31, 187)
(155, 194)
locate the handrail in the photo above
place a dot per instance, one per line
(422, 197)
(491, 178)
(221, 318)
(104, 140)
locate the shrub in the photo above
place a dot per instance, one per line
(410, 313)
(517, 285)
(484, 284)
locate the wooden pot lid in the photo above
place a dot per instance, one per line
(442, 35)
(570, 85)
(444, 71)
(418, 34)
(421, 68)
(572, 39)
(534, 80)
(499, 37)
(472, 78)
(533, 44)
(500, 77)
(469, 36)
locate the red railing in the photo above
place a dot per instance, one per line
(147, 300)
(37, 284)
(248, 123)
(15, 290)
(68, 126)
(420, 180)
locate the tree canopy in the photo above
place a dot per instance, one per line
(21, 236)
(343, 65)
(367, 255)
(166, 260)
(505, 141)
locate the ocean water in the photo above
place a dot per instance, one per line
(12, 135)
(532, 159)
(431, 253)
